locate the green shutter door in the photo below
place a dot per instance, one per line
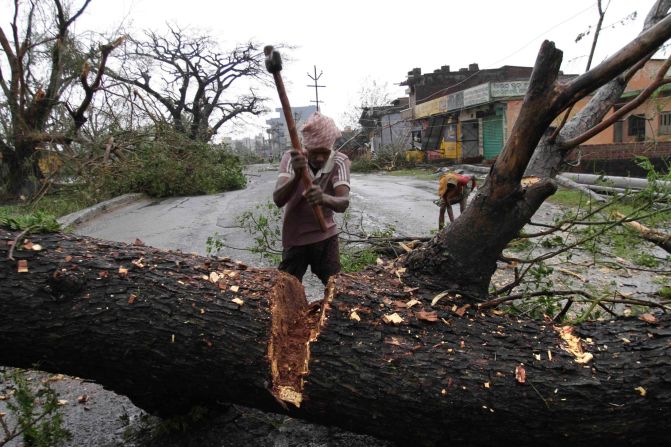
(492, 135)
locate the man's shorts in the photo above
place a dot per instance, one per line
(323, 258)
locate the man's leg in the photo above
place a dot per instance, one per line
(441, 216)
(450, 214)
(325, 258)
(295, 261)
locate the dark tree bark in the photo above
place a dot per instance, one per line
(168, 337)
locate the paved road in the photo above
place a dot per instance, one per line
(184, 223)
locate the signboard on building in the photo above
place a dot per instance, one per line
(427, 108)
(476, 95)
(455, 101)
(510, 88)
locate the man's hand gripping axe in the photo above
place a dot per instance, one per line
(274, 66)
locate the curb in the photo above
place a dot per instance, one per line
(82, 216)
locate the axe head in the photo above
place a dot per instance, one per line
(273, 59)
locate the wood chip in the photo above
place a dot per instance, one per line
(22, 266)
(439, 297)
(238, 301)
(520, 374)
(354, 316)
(234, 289)
(411, 303)
(392, 318)
(214, 277)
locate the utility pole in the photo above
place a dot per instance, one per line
(315, 78)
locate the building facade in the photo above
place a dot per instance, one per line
(278, 132)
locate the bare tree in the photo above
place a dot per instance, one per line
(43, 65)
(189, 82)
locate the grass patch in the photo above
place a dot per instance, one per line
(568, 198)
(55, 205)
(419, 173)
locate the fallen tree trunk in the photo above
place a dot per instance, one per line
(568, 183)
(171, 330)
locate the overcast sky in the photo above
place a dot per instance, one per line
(357, 42)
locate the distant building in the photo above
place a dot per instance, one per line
(278, 132)
(464, 115)
(384, 126)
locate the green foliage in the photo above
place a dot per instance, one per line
(357, 260)
(521, 244)
(646, 260)
(181, 423)
(264, 224)
(171, 165)
(665, 292)
(364, 164)
(35, 408)
(38, 222)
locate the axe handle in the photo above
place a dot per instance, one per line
(295, 142)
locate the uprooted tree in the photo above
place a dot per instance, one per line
(382, 353)
(43, 108)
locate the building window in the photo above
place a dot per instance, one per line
(665, 123)
(617, 131)
(636, 127)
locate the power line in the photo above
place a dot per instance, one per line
(315, 78)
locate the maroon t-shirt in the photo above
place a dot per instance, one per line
(300, 226)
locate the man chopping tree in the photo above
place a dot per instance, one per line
(304, 241)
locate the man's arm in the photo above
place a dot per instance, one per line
(339, 202)
(286, 184)
(284, 189)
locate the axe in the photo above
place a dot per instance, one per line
(274, 66)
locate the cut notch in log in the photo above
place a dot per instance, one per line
(295, 324)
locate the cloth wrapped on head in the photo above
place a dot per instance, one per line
(319, 131)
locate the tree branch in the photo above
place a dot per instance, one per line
(631, 105)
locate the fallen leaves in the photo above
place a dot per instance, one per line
(648, 318)
(132, 298)
(642, 391)
(238, 301)
(461, 310)
(427, 316)
(354, 316)
(123, 271)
